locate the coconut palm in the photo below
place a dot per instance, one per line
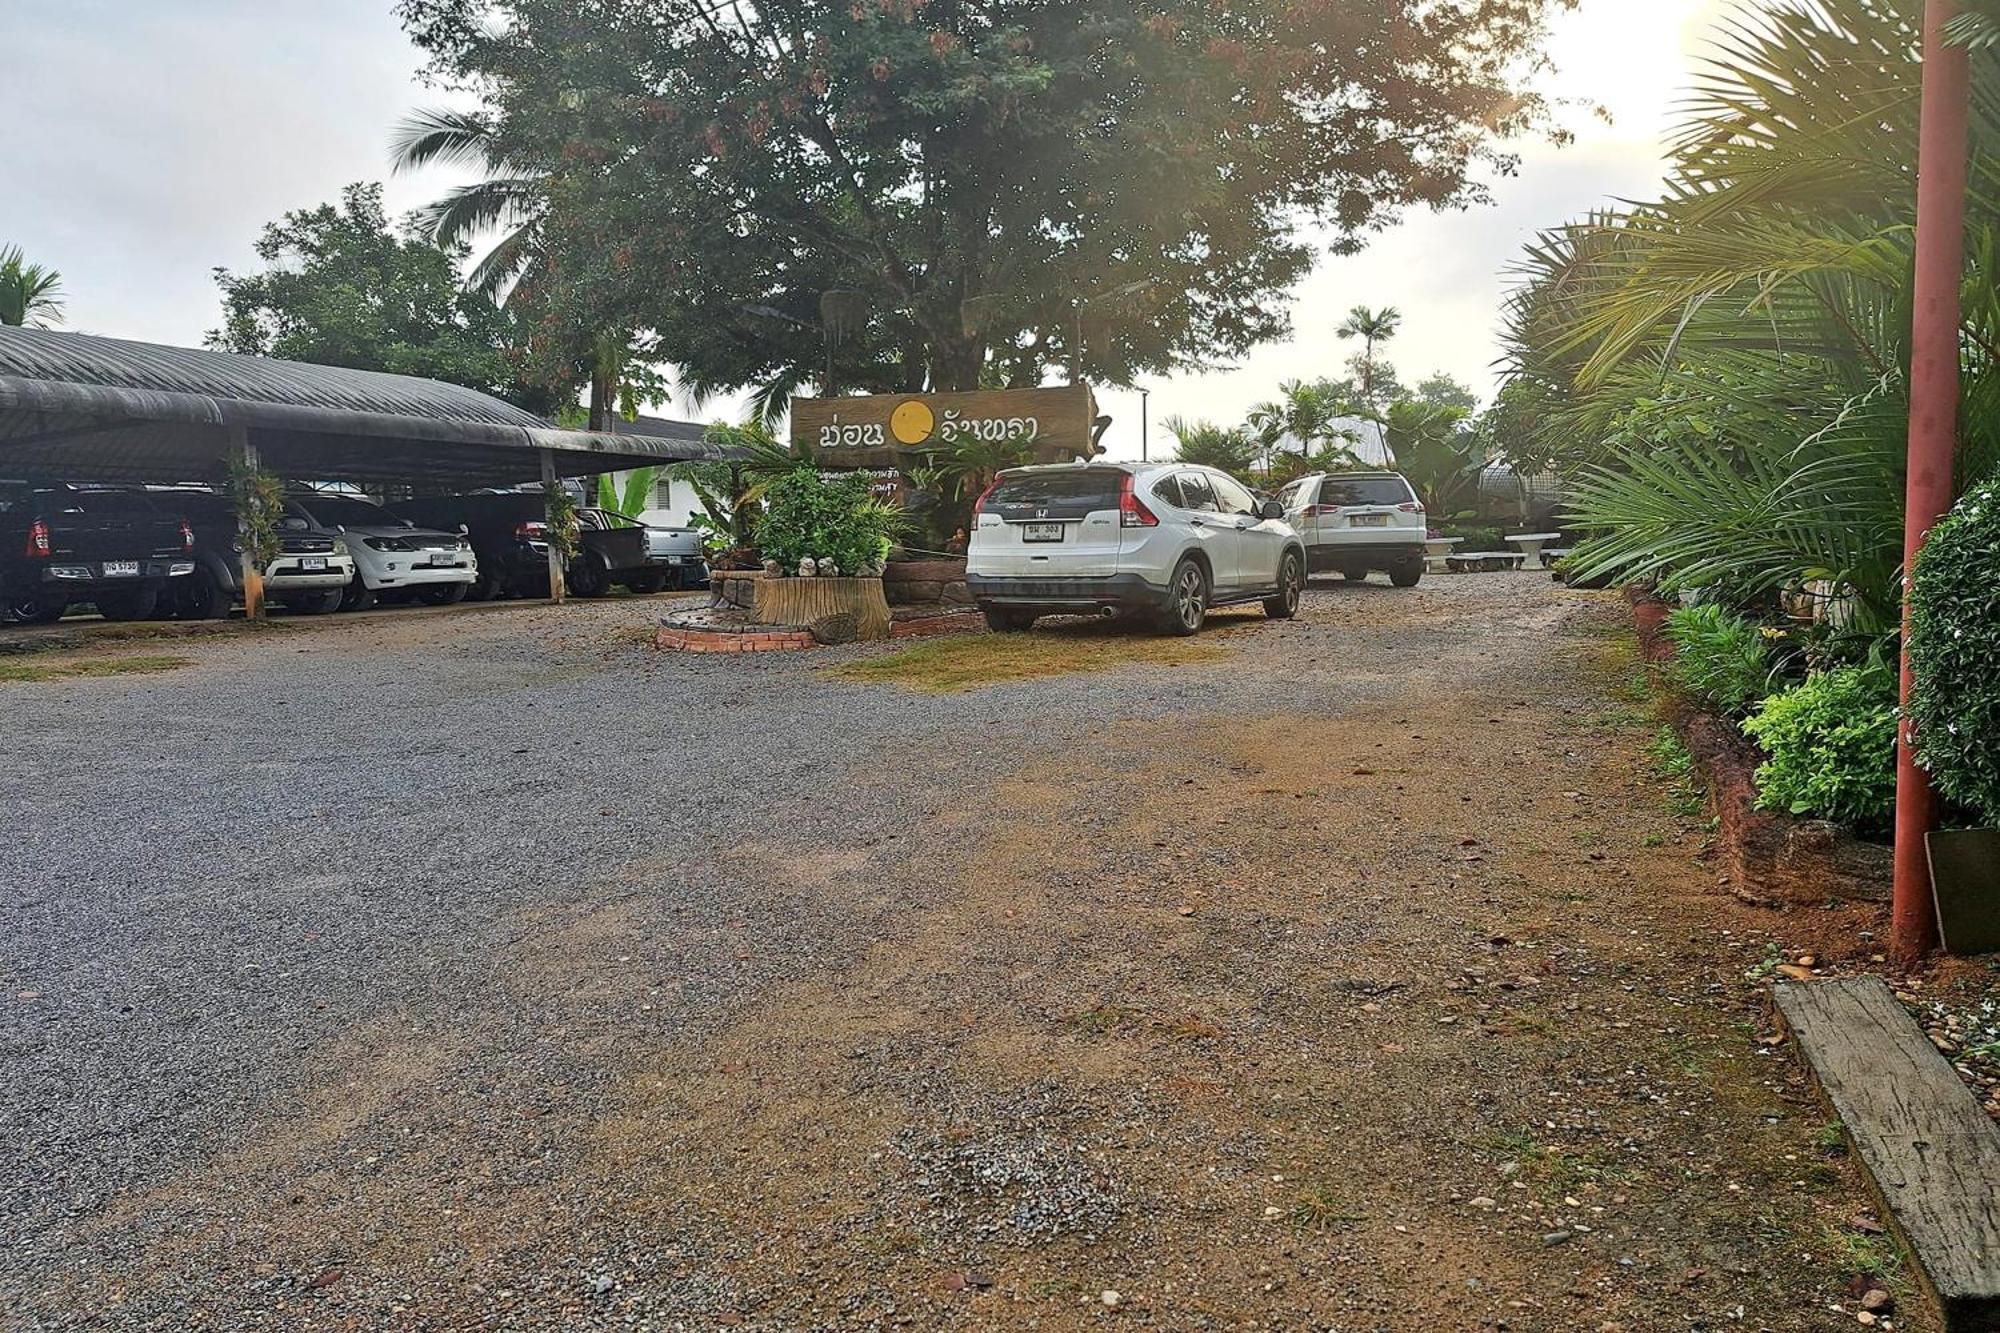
(30, 295)
(1228, 448)
(1372, 327)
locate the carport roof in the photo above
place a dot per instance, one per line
(88, 408)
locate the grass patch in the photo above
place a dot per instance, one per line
(1320, 1209)
(90, 666)
(1859, 1254)
(1101, 1019)
(1553, 1167)
(971, 662)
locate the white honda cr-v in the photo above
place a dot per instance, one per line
(1169, 540)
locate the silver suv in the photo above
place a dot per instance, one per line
(1355, 522)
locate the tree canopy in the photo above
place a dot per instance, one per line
(963, 192)
(342, 288)
(30, 294)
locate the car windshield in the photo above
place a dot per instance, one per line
(1097, 485)
(120, 504)
(1364, 491)
(349, 511)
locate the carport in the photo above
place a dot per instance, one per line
(83, 408)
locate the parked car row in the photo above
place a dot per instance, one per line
(1171, 541)
(140, 552)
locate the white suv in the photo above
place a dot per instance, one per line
(1169, 540)
(1355, 522)
(391, 553)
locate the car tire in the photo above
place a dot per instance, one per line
(1291, 583)
(36, 608)
(648, 583)
(443, 594)
(316, 603)
(588, 577)
(1355, 575)
(357, 596)
(128, 604)
(204, 596)
(1186, 610)
(1407, 576)
(1009, 620)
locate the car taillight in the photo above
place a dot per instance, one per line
(979, 505)
(187, 538)
(531, 531)
(1132, 512)
(39, 545)
(1412, 508)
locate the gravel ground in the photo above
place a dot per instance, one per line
(494, 971)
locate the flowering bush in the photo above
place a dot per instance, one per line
(808, 515)
(1955, 654)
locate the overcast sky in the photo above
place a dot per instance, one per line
(149, 141)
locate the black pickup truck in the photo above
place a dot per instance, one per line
(509, 534)
(117, 549)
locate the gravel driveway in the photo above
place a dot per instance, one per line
(491, 970)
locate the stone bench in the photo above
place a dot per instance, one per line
(1437, 550)
(1483, 562)
(1531, 544)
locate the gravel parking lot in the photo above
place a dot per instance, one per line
(492, 970)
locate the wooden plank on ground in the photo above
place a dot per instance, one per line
(1932, 1154)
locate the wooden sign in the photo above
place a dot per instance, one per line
(884, 429)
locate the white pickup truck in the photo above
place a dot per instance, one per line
(676, 551)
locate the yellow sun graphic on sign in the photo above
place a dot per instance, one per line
(912, 422)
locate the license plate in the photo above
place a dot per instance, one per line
(1368, 521)
(313, 564)
(444, 562)
(1041, 532)
(116, 569)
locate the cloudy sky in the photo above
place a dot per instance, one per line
(150, 140)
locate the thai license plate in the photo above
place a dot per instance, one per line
(1368, 521)
(444, 562)
(121, 569)
(1041, 532)
(313, 564)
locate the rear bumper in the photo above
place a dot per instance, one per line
(1084, 594)
(1376, 554)
(83, 579)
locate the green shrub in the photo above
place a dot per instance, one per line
(1832, 748)
(808, 515)
(1955, 654)
(1720, 658)
(1477, 539)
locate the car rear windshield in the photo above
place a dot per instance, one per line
(115, 504)
(1097, 487)
(1365, 491)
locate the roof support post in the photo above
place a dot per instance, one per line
(243, 457)
(549, 484)
(1934, 369)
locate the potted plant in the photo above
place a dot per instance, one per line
(1954, 713)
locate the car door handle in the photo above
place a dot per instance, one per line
(1197, 522)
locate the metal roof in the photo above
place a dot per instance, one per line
(82, 407)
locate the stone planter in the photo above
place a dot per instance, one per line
(933, 583)
(734, 587)
(805, 602)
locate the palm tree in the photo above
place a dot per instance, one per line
(30, 295)
(1371, 326)
(1229, 448)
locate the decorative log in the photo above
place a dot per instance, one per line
(803, 601)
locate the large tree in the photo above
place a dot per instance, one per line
(344, 288)
(962, 192)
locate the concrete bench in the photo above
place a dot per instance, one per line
(1531, 544)
(1436, 549)
(1483, 562)
(1931, 1152)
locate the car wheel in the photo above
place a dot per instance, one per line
(588, 578)
(203, 596)
(357, 596)
(127, 604)
(1291, 580)
(1187, 598)
(443, 594)
(36, 608)
(316, 603)
(1355, 575)
(645, 584)
(1009, 620)
(1408, 575)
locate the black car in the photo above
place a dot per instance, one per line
(217, 582)
(509, 533)
(116, 548)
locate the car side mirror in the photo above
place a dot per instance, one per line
(1271, 509)
(464, 531)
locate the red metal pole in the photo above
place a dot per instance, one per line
(1941, 170)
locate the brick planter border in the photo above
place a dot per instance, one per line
(1768, 858)
(675, 639)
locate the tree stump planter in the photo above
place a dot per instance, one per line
(930, 583)
(805, 601)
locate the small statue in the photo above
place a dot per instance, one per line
(772, 568)
(808, 567)
(828, 569)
